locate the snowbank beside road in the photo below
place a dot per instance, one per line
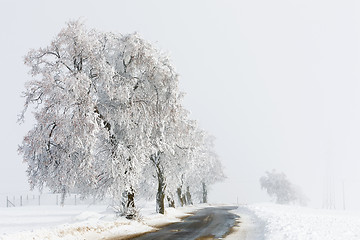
(79, 222)
(248, 226)
(278, 222)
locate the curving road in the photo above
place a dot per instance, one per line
(207, 223)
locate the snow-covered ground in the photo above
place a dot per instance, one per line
(263, 221)
(80, 222)
(268, 221)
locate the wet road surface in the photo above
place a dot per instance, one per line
(207, 223)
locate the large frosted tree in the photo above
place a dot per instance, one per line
(92, 128)
(108, 117)
(59, 149)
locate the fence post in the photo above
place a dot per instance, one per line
(8, 202)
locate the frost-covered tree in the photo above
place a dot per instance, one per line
(90, 91)
(59, 149)
(279, 187)
(210, 167)
(172, 158)
(108, 117)
(205, 168)
(158, 95)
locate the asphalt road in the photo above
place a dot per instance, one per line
(207, 223)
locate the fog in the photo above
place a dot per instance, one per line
(276, 82)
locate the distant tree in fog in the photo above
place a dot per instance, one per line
(281, 189)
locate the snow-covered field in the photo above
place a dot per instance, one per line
(79, 222)
(263, 221)
(277, 222)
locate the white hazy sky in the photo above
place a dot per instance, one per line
(277, 82)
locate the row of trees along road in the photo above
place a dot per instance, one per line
(109, 123)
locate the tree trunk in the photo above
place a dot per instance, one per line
(188, 196)
(171, 202)
(130, 204)
(178, 192)
(160, 195)
(204, 193)
(181, 196)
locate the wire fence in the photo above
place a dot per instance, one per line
(43, 199)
